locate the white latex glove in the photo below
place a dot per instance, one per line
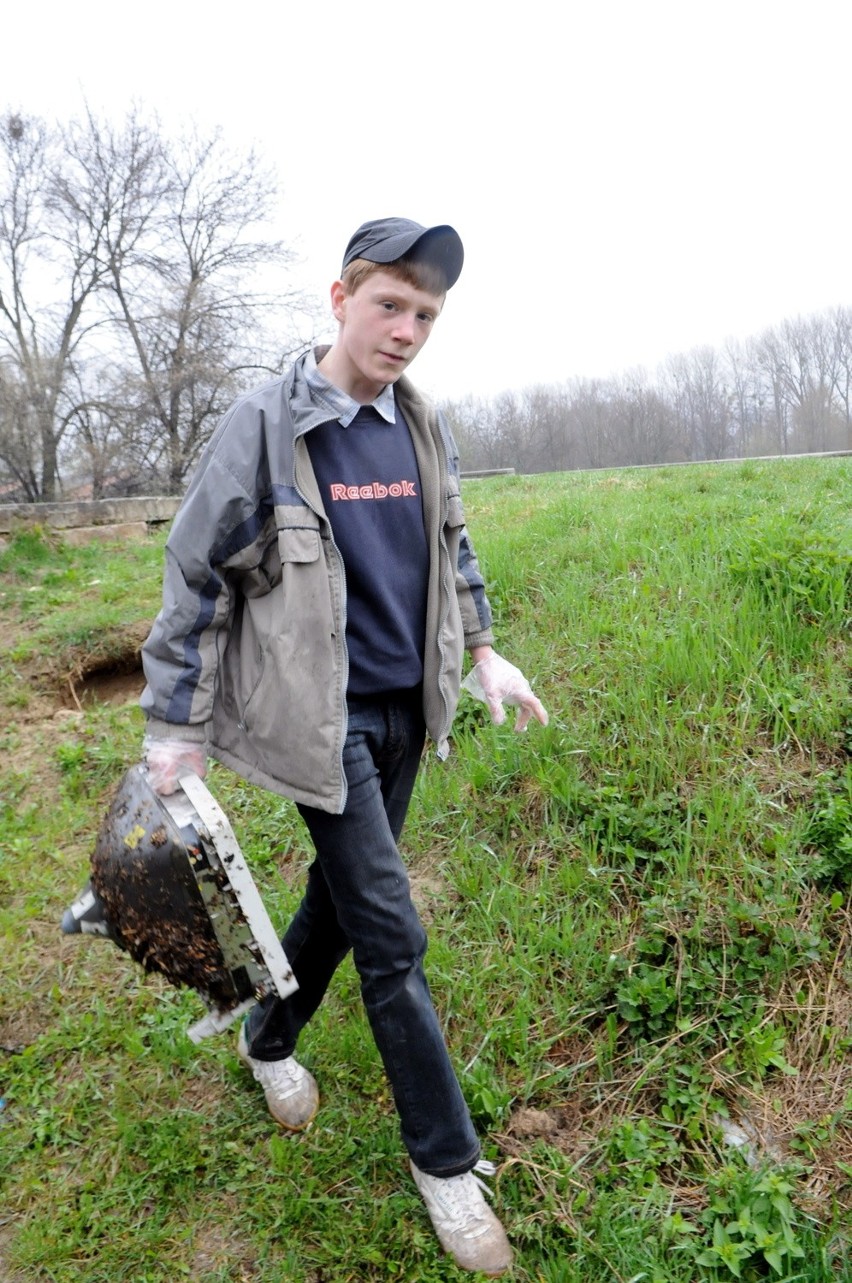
(167, 760)
(497, 682)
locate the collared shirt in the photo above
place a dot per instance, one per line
(341, 404)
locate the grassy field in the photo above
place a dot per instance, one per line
(640, 920)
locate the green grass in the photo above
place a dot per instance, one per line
(640, 921)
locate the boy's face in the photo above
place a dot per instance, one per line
(383, 325)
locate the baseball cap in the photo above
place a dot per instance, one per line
(384, 240)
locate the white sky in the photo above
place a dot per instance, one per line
(631, 178)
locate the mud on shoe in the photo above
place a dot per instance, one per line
(291, 1092)
(466, 1226)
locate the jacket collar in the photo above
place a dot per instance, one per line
(307, 414)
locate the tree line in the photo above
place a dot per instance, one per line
(140, 290)
(786, 391)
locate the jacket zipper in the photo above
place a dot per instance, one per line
(341, 578)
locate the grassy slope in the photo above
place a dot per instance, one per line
(640, 920)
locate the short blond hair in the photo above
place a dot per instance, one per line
(422, 275)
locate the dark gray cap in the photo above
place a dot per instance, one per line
(385, 240)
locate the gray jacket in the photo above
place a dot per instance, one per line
(248, 651)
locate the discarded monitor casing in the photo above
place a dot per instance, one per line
(170, 885)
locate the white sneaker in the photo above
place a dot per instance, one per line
(465, 1224)
(291, 1092)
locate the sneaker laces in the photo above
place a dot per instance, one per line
(484, 1168)
(283, 1077)
(460, 1202)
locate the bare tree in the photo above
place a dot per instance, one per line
(745, 395)
(185, 299)
(589, 419)
(547, 441)
(150, 254)
(809, 379)
(702, 402)
(49, 272)
(18, 455)
(640, 426)
(842, 390)
(470, 420)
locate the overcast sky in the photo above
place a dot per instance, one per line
(631, 178)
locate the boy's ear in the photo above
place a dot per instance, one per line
(338, 301)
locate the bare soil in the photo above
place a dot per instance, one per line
(57, 687)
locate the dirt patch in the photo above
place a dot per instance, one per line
(7, 1274)
(428, 889)
(114, 677)
(21, 1028)
(218, 1246)
(214, 1252)
(571, 1127)
(105, 673)
(110, 687)
(562, 1127)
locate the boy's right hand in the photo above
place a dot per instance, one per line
(167, 760)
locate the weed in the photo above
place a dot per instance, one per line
(829, 832)
(753, 1225)
(805, 568)
(638, 1153)
(487, 1098)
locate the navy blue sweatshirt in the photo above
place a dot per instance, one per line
(370, 486)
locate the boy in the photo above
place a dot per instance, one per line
(320, 590)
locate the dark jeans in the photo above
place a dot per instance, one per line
(358, 897)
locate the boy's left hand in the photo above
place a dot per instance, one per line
(497, 682)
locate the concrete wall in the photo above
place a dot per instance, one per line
(90, 519)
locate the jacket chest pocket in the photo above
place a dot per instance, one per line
(455, 511)
(309, 593)
(453, 527)
(298, 544)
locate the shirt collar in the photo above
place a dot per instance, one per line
(341, 404)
